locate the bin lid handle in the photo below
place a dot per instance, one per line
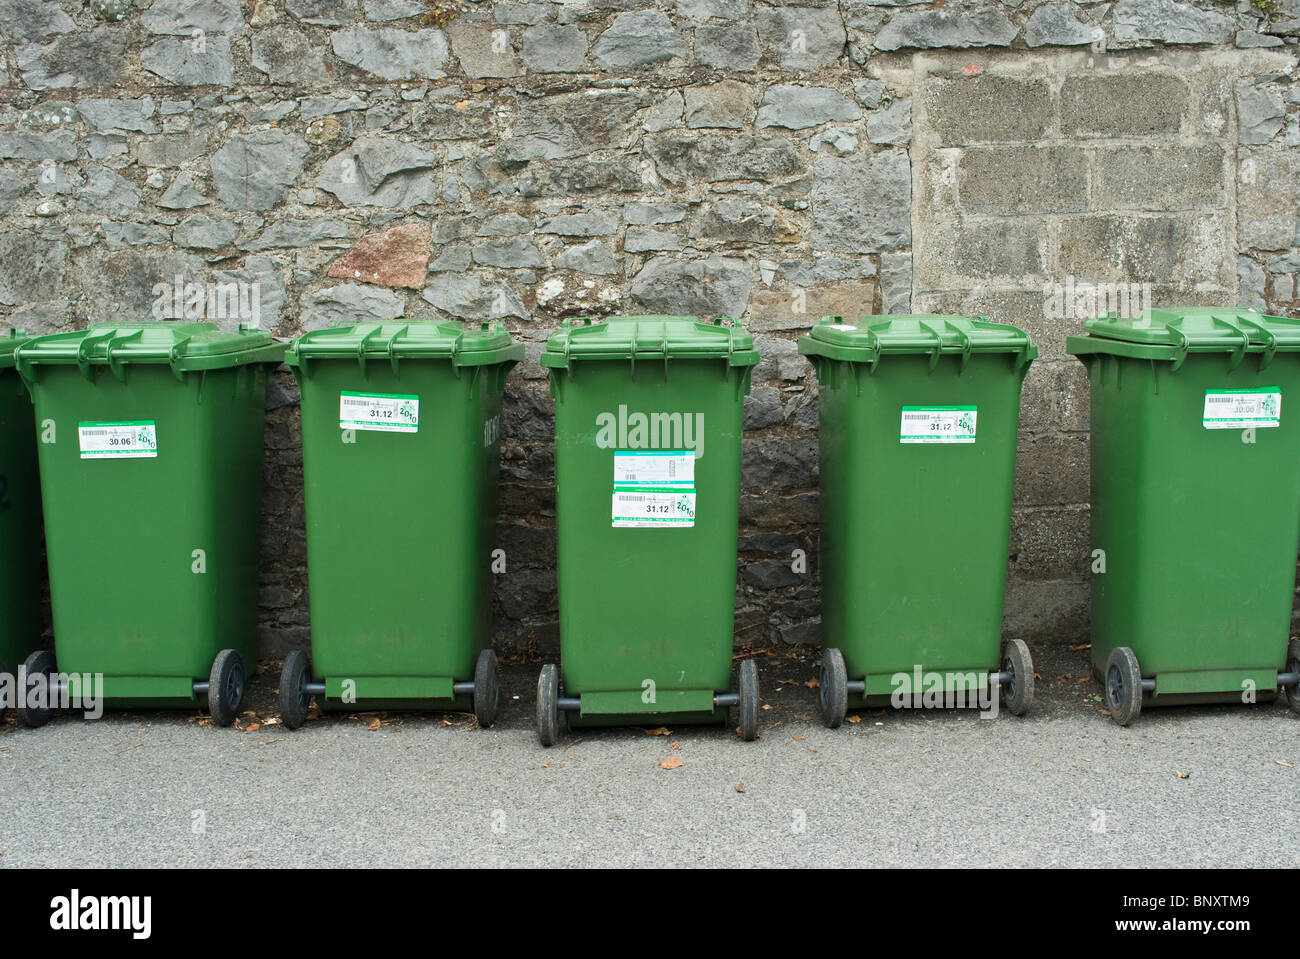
(83, 350)
(388, 347)
(1180, 342)
(937, 352)
(965, 339)
(1270, 340)
(363, 343)
(116, 366)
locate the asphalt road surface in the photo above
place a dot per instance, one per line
(1063, 786)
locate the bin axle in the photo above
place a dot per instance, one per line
(1287, 680)
(573, 704)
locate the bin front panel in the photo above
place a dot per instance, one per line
(400, 524)
(1199, 526)
(641, 606)
(153, 560)
(915, 534)
(20, 525)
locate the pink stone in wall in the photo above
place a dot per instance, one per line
(396, 257)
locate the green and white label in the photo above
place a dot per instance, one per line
(654, 468)
(938, 424)
(649, 507)
(383, 412)
(654, 488)
(131, 439)
(1242, 409)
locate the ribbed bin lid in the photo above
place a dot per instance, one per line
(489, 343)
(871, 337)
(649, 338)
(1172, 334)
(183, 346)
(10, 343)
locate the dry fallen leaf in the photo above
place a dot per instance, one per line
(1080, 648)
(677, 745)
(812, 683)
(252, 727)
(448, 722)
(767, 706)
(800, 739)
(1180, 774)
(853, 719)
(672, 763)
(1283, 762)
(658, 731)
(374, 724)
(740, 788)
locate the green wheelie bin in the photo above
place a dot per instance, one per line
(20, 522)
(648, 418)
(401, 427)
(1195, 506)
(150, 447)
(918, 427)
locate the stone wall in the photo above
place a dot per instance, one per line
(528, 161)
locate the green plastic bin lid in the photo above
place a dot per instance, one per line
(9, 344)
(649, 338)
(917, 334)
(1175, 332)
(487, 344)
(183, 346)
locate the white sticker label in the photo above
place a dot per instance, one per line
(654, 468)
(1242, 409)
(383, 412)
(658, 508)
(134, 439)
(938, 424)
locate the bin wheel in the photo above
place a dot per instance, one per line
(1018, 692)
(548, 706)
(1123, 685)
(294, 698)
(1293, 666)
(487, 688)
(226, 687)
(39, 663)
(833, 688)
(748, 706)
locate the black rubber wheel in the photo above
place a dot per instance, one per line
(1123, 685)
(1293, 666)
(833, 688)
(748, 708)
(39, 663)
(487, 688)
(1018, 692)
(548, 709)
(294, 698)
(226, 687)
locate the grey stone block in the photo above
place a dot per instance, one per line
(1182, 177)
(862, 204)
(1023, 179)
(552, 49)
(989, 108)
(638, 39)
(930, 29)
(728, 47)
(716, 286)
(1123, 104)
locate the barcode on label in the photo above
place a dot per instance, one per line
(632, 499)
(86, 432)
(1220, 399)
